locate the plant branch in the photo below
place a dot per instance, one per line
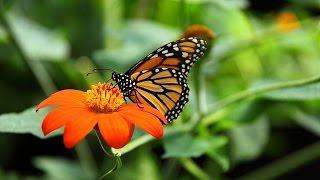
(258, 91)
(194, 169)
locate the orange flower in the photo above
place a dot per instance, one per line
(287, 21)
(103, 108)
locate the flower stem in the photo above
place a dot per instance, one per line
(194, 169)
(286, 164)
(105, 150)
(133, 144)
(116, 166)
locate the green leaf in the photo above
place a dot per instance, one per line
(139, 39)
(308, 122)
(3, 35)
(221, 157)
(248, 141)
(38, 42)
(185, 145)
(28, 121)
(59, 168)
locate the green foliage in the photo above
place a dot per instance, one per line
(308, 122)
(248, 141)
(8, 175)
(141, 165)
(139, 38)
(28, 121)
(38, 42)
(54, 166)
(184, 145)
(256, 85)
(308, 92)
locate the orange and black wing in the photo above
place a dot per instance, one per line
(179, 55)
(163, 88)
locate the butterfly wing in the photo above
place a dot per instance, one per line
(163, 88)
(179, 55)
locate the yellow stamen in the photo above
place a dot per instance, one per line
(103, 97)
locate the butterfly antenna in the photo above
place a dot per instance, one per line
(103, 69)
(96, 70)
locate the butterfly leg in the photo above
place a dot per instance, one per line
(114, 85)
(108, 80)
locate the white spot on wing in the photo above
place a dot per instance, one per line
(165, 51)
(184, 54)
(154, 56)
(169, 54)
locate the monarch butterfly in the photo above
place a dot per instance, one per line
(159, 79)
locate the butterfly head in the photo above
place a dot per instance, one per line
(124, 82)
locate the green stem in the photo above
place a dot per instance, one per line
(287, 164)
(105, 150)
(117, 165)
(194, 169)
(133, 144)
(258, 91)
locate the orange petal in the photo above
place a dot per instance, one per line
(144, 108)
(145, 121)
(115, 130)
(67, 97)
(77, 129)
(58, 118)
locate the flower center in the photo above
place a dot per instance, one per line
(103, 97)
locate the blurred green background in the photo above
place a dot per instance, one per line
(254, 108)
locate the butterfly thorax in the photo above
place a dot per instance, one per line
(124, 82)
